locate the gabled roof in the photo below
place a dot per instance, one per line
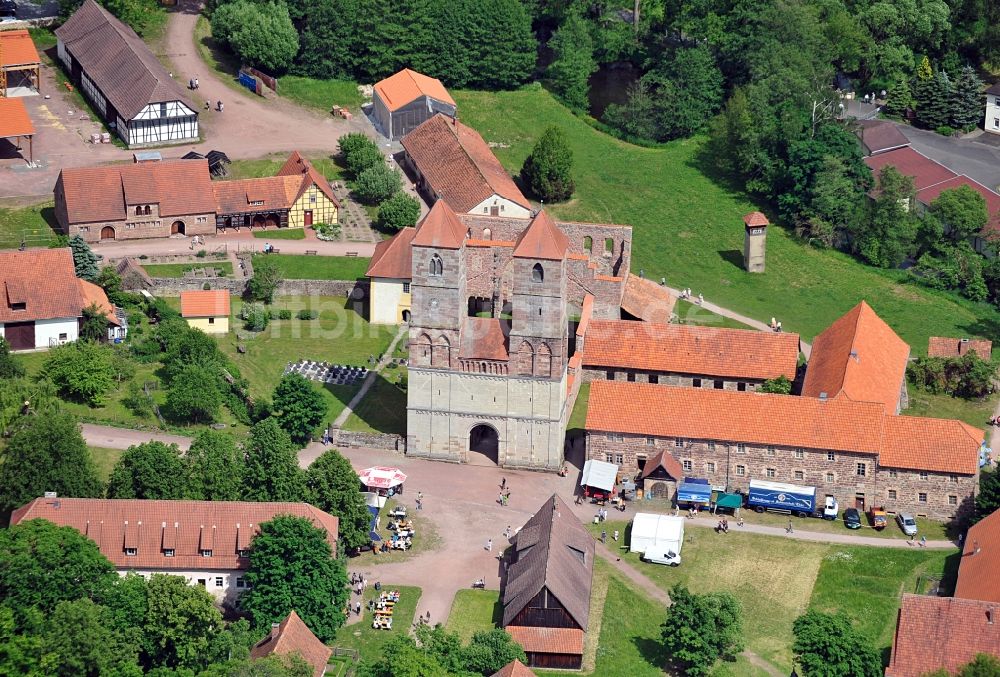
(908, 162)
(647, 300)
(755, 219)
(118, 61)
(393, 258)
(977, 572)
(293, 636)
(94, 295)
(663, 459)
(691, 349)
(296, 165)
(932, 444)
(275, 192)
(483, 339)
(553, 551)
(458, 165)
(14, 118)
(401, 88)
(881, 135)
(858, 357)
(182, 525)
(939, 346)
(44, 280)
(205, 303)
(542, 239)
(179, 187)
(992, 199)
(942, 632)
(440, 228)
(17, 49)
(514, 669)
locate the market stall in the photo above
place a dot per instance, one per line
(598, 479)
(382, 481)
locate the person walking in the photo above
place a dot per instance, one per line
(614, 536)
(790, 529)
(503, 483)
(604, 536)
(420, 500)
(489, 545)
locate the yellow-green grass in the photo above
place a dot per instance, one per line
(178, 269)
(302, 267)
(338, 336)
(974, 412)
(426, 539)
(283, 234)
(578, 418)
(104, 460)
(321, 95)
(383, 408)
(932, 529)
(269, 166)
(776, 579)
(688, 228)
(35, 226)
(369, 641)
(474, 611)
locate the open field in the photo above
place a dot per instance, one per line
(178, 269)
(269, 166)
(104, 460)
(974, 412)
(301, 267)
(35, 226)
(383, 408)
(692, 313)
(688, 228)
(321, 95)
(474, 611)
(370, 642)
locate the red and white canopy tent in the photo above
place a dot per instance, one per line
(381, 477)
(15, 124)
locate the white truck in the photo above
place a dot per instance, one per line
(658, 538)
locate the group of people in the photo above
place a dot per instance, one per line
(504, 498)
(722, 527)
(686, 294)
(775, 325)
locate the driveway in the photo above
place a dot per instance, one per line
(975, 159)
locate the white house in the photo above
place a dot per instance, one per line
(992, 123)
(130, 88)
(206, 542)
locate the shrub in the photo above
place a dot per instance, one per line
(945, 130)
(351, 142)
(307, 314)
(255, 317)
(284, 314)
(363, 158)
(548, 170)
(201, 254)
(399, 211)
(206, 286)
(377, 183)
(136, 401)
(967, 377)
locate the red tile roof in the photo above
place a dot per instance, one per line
(908, 162)
(17, 49)
(690, 349)
(185, 525)
(44, 280)
(756, 219)
(547, 640)
(938, 346)
(858, 357)
(663, 459)
(296, 165)
(458, 165)
(14, 119)
(275, 192)
(931, 193)
(205, 303)
(514, 669)
(881, 135)
(647, 300)
(401, 88)
(483, 339)
(586, 314)
(118, 61)
(977, 572)
(180, 187)
(542, 239)
(942, 632)
(393, 258)
(293, 636)
(440, 228)
(905, 442)
(92, 294)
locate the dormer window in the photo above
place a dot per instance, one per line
(19, 306)
(256, 203)
(168, 552)
(130, 552)
(243, 553)
(206, 553)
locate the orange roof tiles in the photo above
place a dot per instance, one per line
(942, 632)
(296, 165)
(754, 219)
(547, 640)
(908, 162)
(663, 459)
(458, 165)
(542, 239)
(17, 49)
(393, 258)
(932, 444)
(273, 192)
(689, 349)
(938, 346)
(94, 295)
(440, 228)
(205, 303)
(860, 357)
(107, 522)
(977, 572)
(401, 88)
(586, 314)
(44, 280)
(293, 636)
(514, 669)
(14, 119)
(180, 187)
(647, 300)
(483, 339)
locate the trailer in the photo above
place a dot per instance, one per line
(694, 492)
(657, 538)
(781, 497)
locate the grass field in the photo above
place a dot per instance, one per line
(688, 228)
(974, 412)
(321, 95)
(34, 225)
(283, 234)
(300, 267)
(383, 408)
(269, 166)
(933, 530)
(339, 336)
(426, 538)
(474, 611)
(176, 270)
(104, 460)
(370, 642)
(578, 417)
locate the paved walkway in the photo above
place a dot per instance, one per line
(369, 380)
(123, 438)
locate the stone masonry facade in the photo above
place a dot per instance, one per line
(854, 479)
(670, 379)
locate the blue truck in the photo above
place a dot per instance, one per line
(781, 497)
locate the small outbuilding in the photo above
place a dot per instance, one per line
(290, 637)
(15, 124)
(207, 310)
(402, 102)
(660, 475)
(19, 63)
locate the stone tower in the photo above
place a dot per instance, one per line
(754, 242)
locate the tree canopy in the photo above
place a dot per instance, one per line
(701, 629)
(298, 407)
(548, 170)
(272, 469)
(151, 470)
(84, 258)
(214, 467)
(332, 485)
(827, 645)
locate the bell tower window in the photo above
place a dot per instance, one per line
(537, 274)
(436, 267)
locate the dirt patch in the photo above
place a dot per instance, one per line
(905, 292)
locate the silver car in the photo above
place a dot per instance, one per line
(907, 523)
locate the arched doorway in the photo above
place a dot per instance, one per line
(107, 233)
(177, 228)
(258, 222)
(406, 316)
(484, 440)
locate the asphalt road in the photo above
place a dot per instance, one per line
(974, 158)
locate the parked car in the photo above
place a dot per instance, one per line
(852, 518)
(830, 508)
(907, 523)
(878, 518)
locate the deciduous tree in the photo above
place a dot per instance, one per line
(890, 235)
(332, 485)
(272, 470)
(779, 385)
(194, 396)
(94, 326)
(826, 645)
(151, 470)
(574, 63)
(266, 278)
(547, 172)
(398, 212)
(10, 367)
(181, 624)
(701, 629)
(81, 371)
(298, 407)
(292, 567)
(963, 210)
(377, 183)
(79, 639)
(491, 650)
(214, 467)
(988, 498)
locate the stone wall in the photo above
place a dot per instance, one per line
(166, 286)
(591, 373)
(348, 438)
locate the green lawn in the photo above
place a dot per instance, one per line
(321, 95)
(474, 611)
(974, 412)
(339, 336)
(383, 408)
(688, 228)
(177, 270)
(370, 642)
(104, 460)
(578, 418)
(301, 267)
(222, 61)
(269, 166)
(933, 530)
(283, 234)
(36, 226)
(777, 579)
(426, 539)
